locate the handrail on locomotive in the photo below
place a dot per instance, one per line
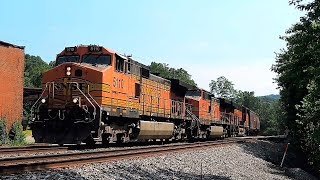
(84, 107)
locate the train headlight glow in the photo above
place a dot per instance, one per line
(75, 100)
(43, 100)
(68, 71)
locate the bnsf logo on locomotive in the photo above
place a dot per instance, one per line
(82, 86)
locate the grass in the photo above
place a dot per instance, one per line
(28, 132)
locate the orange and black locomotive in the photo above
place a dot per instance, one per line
(95, 94)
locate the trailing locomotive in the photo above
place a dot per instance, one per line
(95, 94)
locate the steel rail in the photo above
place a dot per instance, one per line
(31, 149)
(18, 164)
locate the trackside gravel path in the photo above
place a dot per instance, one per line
(252, 160)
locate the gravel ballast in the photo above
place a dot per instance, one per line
(251, 160)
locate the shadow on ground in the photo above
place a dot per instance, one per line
(272, 152)
(134, 172)
(48, 175)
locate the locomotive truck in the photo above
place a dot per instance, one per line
(96, 94)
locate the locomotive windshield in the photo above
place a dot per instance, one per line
(96, 59)
(63, 59)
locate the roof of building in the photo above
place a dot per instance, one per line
(2, 43)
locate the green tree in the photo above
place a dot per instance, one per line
(223, 88)
(16, 135)
(34, 67)
(247, 99)
(297, 67)
(270, 114)
(165, 71)
(3, 131)
(309, 115)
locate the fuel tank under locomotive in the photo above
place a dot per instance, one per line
(154, 130)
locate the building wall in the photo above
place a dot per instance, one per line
(11, 82)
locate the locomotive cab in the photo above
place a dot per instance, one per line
(68, 106)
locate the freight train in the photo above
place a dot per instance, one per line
(94, 94)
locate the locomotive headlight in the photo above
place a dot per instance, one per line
(43, 100)
(75, 100)
(68, 71)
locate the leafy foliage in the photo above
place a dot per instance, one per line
(34, 67)
(165, 71)
(3, 131)
(247, 99)
(298, 72)
(223, 88)
(16, 135)
(309, 115)
(270, 116)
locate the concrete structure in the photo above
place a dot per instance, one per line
(11, 82)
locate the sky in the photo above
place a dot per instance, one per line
(237, 39)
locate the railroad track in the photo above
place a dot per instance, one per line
(18, 164)
(31, 149)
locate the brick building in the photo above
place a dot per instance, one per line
(11, 82)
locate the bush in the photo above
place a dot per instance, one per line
(3, 132)
(16, 135)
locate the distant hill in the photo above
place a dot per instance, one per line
(272, 96)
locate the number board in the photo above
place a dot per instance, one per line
(71, 49)
(94, 48)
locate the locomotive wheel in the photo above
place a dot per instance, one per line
(120, 139)
(90, 142)
(105, 140)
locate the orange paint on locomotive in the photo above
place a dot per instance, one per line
(209, 108)
(112, 86)
(205, 107)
